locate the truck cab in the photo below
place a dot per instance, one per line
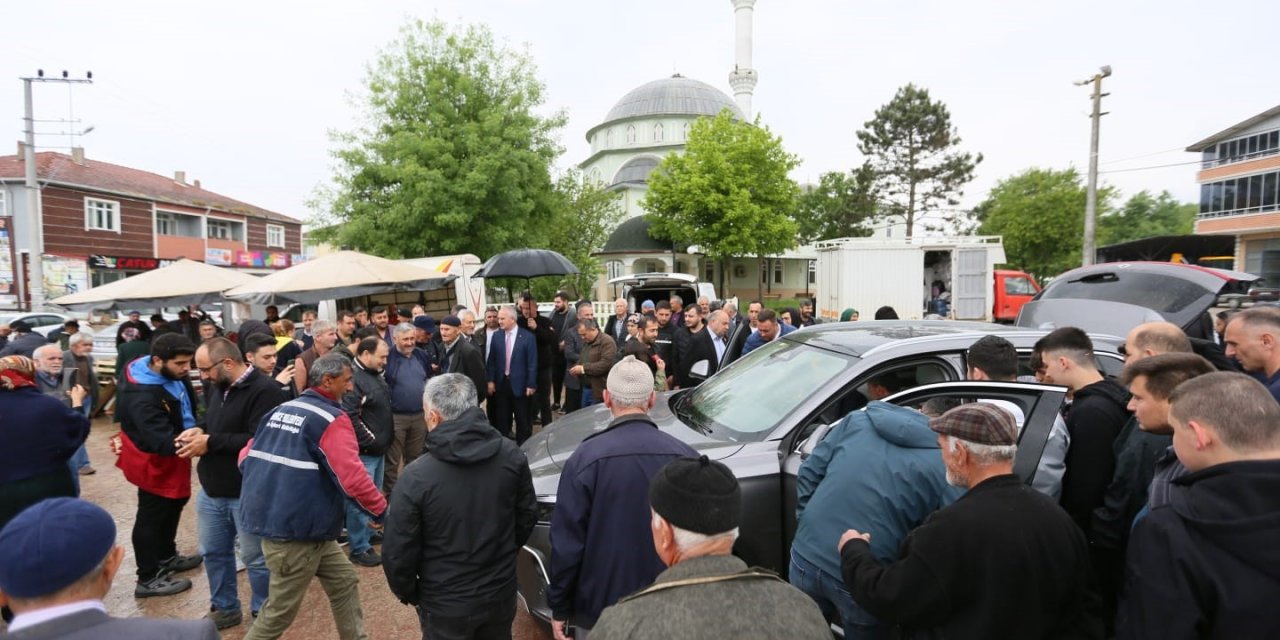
(1012, 290)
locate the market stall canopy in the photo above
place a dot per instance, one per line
(344, 274)
(526, 263)
(181, 283)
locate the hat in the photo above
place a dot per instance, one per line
(630, 380)
(452, 321)
(52, 544)
(979, 423)
(426, 323)
(633, 318)
(20, 326)
(698, 495)
(135, 312)
(647, 304)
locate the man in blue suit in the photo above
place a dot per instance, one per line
(512, 371)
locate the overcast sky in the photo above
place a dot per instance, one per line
(241, 95)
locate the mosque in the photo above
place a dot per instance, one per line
(652, 121)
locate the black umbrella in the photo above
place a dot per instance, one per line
(526, 263)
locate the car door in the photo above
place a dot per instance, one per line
(1039, 404)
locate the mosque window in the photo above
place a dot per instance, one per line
(657, 132)
(608, 139)
(684, 135)
(631, 134)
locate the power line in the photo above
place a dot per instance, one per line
(1145, 155)
(1156, 166)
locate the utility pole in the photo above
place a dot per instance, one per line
(1089, 251)
(35, 235)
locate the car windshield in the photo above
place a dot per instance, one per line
(1160, 293)
(746, 401)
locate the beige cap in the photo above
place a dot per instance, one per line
(630, 380)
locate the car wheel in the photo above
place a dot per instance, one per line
(1233, 303)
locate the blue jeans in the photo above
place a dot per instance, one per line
(218, 525)
(358, 531)
(834, 601)
(587, 400)
(80, 458)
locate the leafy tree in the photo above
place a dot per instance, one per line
(728, 193)
(1144, 216)
(586, 213)
(1040, 213)
(839, 206)
(453, 158)
(912, 147)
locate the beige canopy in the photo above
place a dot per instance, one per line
(181, 283)
(344, 274)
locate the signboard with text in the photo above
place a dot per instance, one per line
(123, 263)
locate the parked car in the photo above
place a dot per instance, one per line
(756, 415)
(42, 322)
(1264, 294)
(1114, 297)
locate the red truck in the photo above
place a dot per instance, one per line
(1012, 290)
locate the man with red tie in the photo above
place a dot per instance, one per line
(512, 372)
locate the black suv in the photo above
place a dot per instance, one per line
(757, 414)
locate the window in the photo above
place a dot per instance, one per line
(777, 272)
(101, 215)
(813, 272)
(275, 235)
(657, 132)
(709, 271)
(1019, 287)
(1245, 148)
(608, 139)
(764, 272)
(684, 135)
(4, 205)
(631, 134)
(613, 269)
(165, 224)
(221, 230)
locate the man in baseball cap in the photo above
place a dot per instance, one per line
(57, 560)
(601, 549)
(707, 592)
(1001, 542)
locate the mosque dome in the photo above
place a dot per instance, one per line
(676, 95)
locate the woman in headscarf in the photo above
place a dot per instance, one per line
(849, 315)
(39, 436)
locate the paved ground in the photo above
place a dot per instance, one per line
(384, 616)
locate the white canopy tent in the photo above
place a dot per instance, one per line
(181, 283)
(344, 274)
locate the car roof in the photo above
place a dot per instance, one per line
(863, 338)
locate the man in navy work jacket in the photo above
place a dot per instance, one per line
(512, 371)
(601, 544)
(299, 470)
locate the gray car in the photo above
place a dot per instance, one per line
(758, 414)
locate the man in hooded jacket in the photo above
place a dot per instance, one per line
(458, 517)
(878, 470)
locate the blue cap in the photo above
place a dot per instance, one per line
(52, 544)
(647, 304)
(426, 323)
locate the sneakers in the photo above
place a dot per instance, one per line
(161, 585)
(180, 563)
(375, 538)
(369, 558)
(87, 470)
(225, 619)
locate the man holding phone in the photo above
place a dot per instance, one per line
(260, 353)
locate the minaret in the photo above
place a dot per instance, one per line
(743, 79)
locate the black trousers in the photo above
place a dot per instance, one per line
(572, 400)
(557, 378)
(155, 531)
(508, 405)
(488, 623)
(542, 396)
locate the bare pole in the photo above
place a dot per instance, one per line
(1089, 250)
(35, 235)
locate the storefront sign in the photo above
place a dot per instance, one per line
(262, 259)
(126, 263)
(219, 257)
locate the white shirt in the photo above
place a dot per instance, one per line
(488, 340)
(719, 345)
(40, 616)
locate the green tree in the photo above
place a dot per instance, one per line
(1144, 216)
(454, 156)
(1040, 213)
(913, 148)
(729, 193)
(839, 206)
(585, 215)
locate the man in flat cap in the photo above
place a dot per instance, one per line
(57, 560)
(1003, 561)
(458, 355)
(599, 550)
(707, 592)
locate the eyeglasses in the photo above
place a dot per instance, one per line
(211, 367)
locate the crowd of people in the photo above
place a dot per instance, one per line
(1148, 514)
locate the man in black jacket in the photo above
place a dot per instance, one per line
(457, 519)
(459, 355)
(1205, 565)
(548, 346)
(369, 405)
(1003, 561)
(239, 398)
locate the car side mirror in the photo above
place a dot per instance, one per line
(700, 368)
(806, 446)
